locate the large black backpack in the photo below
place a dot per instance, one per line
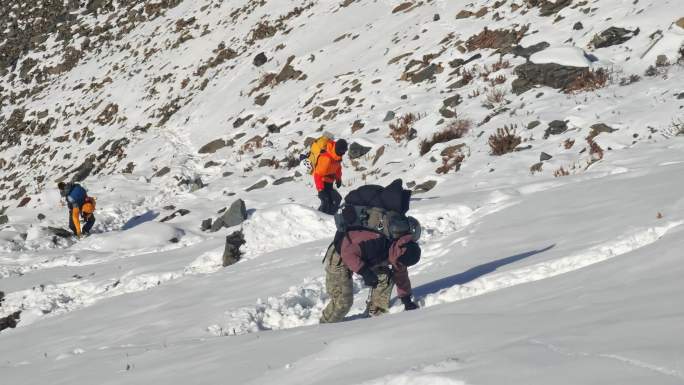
(374, 208)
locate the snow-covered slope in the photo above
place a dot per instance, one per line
(555, 262)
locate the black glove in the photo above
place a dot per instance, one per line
(369, 277)
(408, 304)
(338, 183)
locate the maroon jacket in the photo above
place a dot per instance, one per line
(360, 247)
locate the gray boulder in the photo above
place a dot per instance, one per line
(3, 219)
(235, 215)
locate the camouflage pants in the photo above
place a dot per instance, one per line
(338, 285)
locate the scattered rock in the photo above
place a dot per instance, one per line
(662, 61)
(211, 163)
(231, 254)
(261, 99)
(463, 14)
(240, 121)
(578, 26)
(4, 219)
(533, 124)
(24, 202)
(544, 156)
(356, 150)
(680, 23)
(357, 125)
(260, 59)
(283, 180)
(235, 215)
(212, 146)
(378, 153)
(260, 184)
(435, 17)
(10, 321)
(424, 187)
(389, 116)
(612, 36)
(217, 225)
(165, 170)
(452, 101)
(427, 73)
(179, 212)
(60, 232)
(556, 127)
(317, 111)
(40, 216)
(599, 128)
(206, 224)
(526, 52)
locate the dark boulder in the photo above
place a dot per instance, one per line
(260, 59)
(177, 213)
(612, 36)
(544, 156)
(259, 185)
(424, 187)
(356, 150)
(232, 253)
(548, 74)
(556, 127)
(212, 146)
(10, 321)
(526, 52)
(206, 224)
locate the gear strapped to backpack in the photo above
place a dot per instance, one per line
(378, 209)
(315, 151)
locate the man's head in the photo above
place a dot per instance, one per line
(341, 147)
(411, 254)
(61, 186)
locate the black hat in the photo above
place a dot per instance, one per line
(341, 147)
(411, 254)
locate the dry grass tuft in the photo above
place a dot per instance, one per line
(589, 81)
(505, 140)
(402, 128)
(561, 172)
(454, 130)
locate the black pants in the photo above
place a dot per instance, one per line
(89, 222)
(330, 199)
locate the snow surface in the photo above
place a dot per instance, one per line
(567, 56)
(525, 278)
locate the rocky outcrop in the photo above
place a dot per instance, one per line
(548, 74)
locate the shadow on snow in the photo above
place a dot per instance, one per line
(472, 274)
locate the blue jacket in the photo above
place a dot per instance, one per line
(76, 195)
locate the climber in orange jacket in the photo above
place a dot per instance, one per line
(328, 170)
